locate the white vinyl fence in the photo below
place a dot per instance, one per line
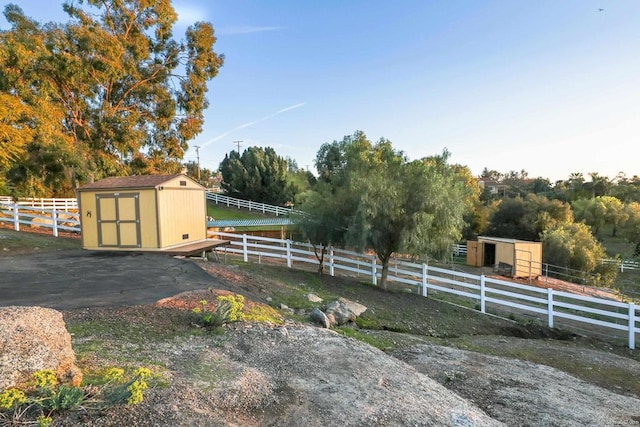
(489, 294)
(623, 265)
(70, 204)
(247, 204)
(39, 217)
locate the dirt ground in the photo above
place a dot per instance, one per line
(432, 364)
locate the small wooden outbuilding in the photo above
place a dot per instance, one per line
(510, 257)
(146, 212)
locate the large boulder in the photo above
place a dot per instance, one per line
(33, 339)
(320, 318)
(344, 311)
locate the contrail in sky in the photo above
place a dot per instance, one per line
(248, 124)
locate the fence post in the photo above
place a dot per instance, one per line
(16, 218)
(374, 275)
(425, 279)
(54, 220)
(632, 326)
(483, 303)
(244, 248)
(288, 253)
(332, 271)
(550, 306)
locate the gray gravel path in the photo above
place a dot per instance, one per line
(77, 279)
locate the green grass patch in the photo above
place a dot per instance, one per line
(22, 242)
(222, 212)
(382, 343)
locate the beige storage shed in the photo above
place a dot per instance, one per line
(147, 212)
(510, 257)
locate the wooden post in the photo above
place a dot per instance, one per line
(288, 253)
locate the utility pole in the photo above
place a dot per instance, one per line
(238, 144)
(198, 157)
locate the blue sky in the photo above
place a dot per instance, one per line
(552, 87)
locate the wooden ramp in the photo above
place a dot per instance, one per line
(199, 248)
(194, 248)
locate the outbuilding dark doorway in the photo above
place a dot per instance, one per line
(489, 254)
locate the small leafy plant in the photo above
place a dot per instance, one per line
(44, 396)
(228, 309)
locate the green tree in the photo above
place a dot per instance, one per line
(576, 185)
(573, 246)
(615, 214)
(111, 90)
(626, 190)
(259, 175)
(599, 185)
(527, 218)
(539, 185)
(324, 221)
(298, 180)
(632, 226)
(476, 215)
(508, 219)
(414, 208)
(599, 211)
(199, 174)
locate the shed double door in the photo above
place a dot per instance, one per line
(118, 220)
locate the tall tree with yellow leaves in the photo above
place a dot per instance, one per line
(110, 92)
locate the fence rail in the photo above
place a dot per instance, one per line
(67, 205)
(32, 216)
(489, 294)
(247, 204)
(625, 264)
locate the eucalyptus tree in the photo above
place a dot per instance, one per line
(110, 90)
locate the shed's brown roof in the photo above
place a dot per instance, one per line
(138, 181)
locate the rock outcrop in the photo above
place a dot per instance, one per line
(337, 313)
(33, 339)
(344, 311)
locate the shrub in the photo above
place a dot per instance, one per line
(228, 309)
(44, 396)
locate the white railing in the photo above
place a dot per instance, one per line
(623, 264)
(247, 204)
(488, 293)
(66, 205)
(39, 217)
(459, 250)
(485, 291)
